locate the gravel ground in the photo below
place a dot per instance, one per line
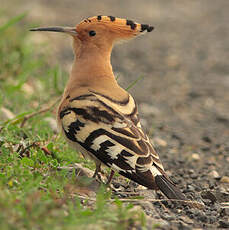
(183, 97)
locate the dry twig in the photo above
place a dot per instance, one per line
(43, 110)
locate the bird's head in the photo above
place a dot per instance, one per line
(99, 33)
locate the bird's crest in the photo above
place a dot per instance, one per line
(127, 28)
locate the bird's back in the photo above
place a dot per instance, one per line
(110, 130)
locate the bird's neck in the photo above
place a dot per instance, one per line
(91, 67)
(91, 64)
(92, 71)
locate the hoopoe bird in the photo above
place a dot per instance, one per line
(98, 117)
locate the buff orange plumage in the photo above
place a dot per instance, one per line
(98, 117)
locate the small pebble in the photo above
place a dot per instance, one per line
(209, 195)
(191, 171)
(203, 218)
(224, 179)
(190, 188)
(186, 219)
(212, 219)
(223, 224)
(168, 217)
(224, 212)
(214, 174)
(195, 156)
(194, 176)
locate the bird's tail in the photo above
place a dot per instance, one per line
(168, 188)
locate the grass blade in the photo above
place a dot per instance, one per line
(134, 83)
(12, 21)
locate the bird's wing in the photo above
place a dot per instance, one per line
(110, 130)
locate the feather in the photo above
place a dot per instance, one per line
(97, 116)
(125, 149)
(168, 188)
(125, 27)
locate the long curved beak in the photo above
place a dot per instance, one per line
(67, 30)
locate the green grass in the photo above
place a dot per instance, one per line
(34, 194)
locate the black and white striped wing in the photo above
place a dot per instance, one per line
(110, 131)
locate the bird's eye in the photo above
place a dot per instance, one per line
(92, 33)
